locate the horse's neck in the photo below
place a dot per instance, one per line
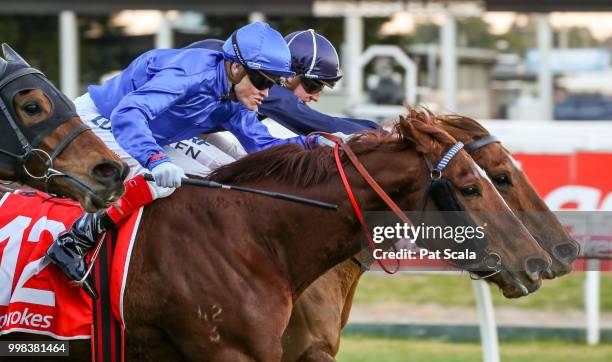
(322, 239)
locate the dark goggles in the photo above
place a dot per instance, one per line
(261, 80)
(313, 86)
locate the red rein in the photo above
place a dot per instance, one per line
(373, 184)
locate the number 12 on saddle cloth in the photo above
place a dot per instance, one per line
(36, 297)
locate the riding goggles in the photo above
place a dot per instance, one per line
(262, 80)
(313, 86)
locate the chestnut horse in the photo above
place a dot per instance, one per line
(214, 274)
(322, 311)
(517, 190)
(46, 145)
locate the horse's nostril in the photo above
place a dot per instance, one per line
(566, 252)
(107, 172)
(535, 265)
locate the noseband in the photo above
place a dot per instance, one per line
(38, 133)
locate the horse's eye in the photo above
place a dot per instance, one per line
(470, 191)
(502, 180)
(31, 109)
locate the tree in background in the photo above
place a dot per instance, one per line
(35, 38)
(474, 32)
(576, 37)
(103, 48)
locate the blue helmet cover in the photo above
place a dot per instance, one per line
(262, 48)
(313, 56)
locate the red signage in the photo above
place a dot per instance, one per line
(580, 181)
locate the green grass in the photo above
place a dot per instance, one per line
(366, 349)
(456, 290)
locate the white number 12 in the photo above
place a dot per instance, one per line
(14, 232)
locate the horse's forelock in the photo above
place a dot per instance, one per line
(419, 128)
(464, 128)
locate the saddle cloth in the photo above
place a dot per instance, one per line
(35, 297)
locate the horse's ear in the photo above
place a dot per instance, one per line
(404, 126)
(12, 55)
(3, 65)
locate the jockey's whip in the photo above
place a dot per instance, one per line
(276, 195)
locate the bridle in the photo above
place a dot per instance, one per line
(28, 146)
(441, 192)
(481, 142)
(439, 189)
(477, 144)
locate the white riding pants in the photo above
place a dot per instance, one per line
(195, 156)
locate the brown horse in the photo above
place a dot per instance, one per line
(46, 145)
(519, 193)
(322, 310)
(224, 290)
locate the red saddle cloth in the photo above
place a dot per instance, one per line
(35, 296)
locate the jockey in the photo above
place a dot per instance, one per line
(315, 62)
(169, 95)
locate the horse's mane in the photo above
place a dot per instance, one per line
(293, 165)
(463, 128)
(419, 127)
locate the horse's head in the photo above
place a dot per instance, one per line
(46, 145)
(508, 255)
(520, 195)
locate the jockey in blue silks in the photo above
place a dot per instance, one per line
(315, 62)
(169, 95)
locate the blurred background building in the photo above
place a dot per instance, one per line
(462, 57)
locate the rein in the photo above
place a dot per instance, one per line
(354, 203)
(376, 187)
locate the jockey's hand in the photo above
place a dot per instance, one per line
(315, 141)
(167, 174)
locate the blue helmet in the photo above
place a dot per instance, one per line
(313, 56)
(259, 47)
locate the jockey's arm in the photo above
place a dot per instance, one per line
(254, 135)
(287, 109)
(130, 119)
